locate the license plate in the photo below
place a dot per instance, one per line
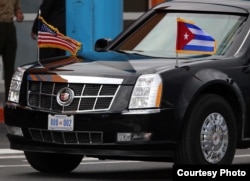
(61, 122)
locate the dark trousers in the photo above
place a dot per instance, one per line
(8, 47)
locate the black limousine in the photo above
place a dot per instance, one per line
(174, 86)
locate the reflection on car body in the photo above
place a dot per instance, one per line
(137, 98)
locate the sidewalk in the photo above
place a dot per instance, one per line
(1, 101)
(3, 139)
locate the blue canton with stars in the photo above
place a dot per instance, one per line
(46, 28)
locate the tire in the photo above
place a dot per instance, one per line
(52, 162)
(209, 134)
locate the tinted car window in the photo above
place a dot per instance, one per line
(158, 35)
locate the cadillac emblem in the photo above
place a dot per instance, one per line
(65, 96)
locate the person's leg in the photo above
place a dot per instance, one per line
(9, 56)
(2, 37)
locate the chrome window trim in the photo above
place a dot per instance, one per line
(243, 42)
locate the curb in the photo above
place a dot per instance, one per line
(1, 115)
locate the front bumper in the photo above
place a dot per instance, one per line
(95, 134)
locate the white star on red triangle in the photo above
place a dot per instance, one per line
(186, 36)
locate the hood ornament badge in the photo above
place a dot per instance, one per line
(65, 96)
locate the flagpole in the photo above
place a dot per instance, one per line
(38, 49)
(176, 63)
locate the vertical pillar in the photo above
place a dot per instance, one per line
(89, 20)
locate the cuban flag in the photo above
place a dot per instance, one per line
(191, 39)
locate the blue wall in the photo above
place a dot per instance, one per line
(89, 20)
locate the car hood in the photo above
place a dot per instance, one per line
(103, 64)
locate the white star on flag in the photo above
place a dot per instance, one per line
(186, 36)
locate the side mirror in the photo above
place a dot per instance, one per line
(101, 44)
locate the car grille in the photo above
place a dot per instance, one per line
(63, 137)
(87, 97)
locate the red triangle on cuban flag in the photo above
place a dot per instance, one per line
(184, 35)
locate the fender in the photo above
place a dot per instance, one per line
(199, 82)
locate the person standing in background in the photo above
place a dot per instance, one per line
(54, 13)
(8, 39)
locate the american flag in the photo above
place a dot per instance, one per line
(50, 37)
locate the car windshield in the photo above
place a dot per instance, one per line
(157, 36)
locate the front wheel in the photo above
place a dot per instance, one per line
(52, 162)
(209, 134)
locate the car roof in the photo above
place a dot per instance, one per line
(229, 6)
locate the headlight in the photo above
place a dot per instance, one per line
(147, 92)
(15, 85)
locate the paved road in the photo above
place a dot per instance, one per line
(1, 93)
(3, 140)
(1, 99)
(16, 168)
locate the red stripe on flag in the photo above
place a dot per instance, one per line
(50, 37)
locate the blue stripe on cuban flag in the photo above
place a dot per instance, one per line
(202, 41)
